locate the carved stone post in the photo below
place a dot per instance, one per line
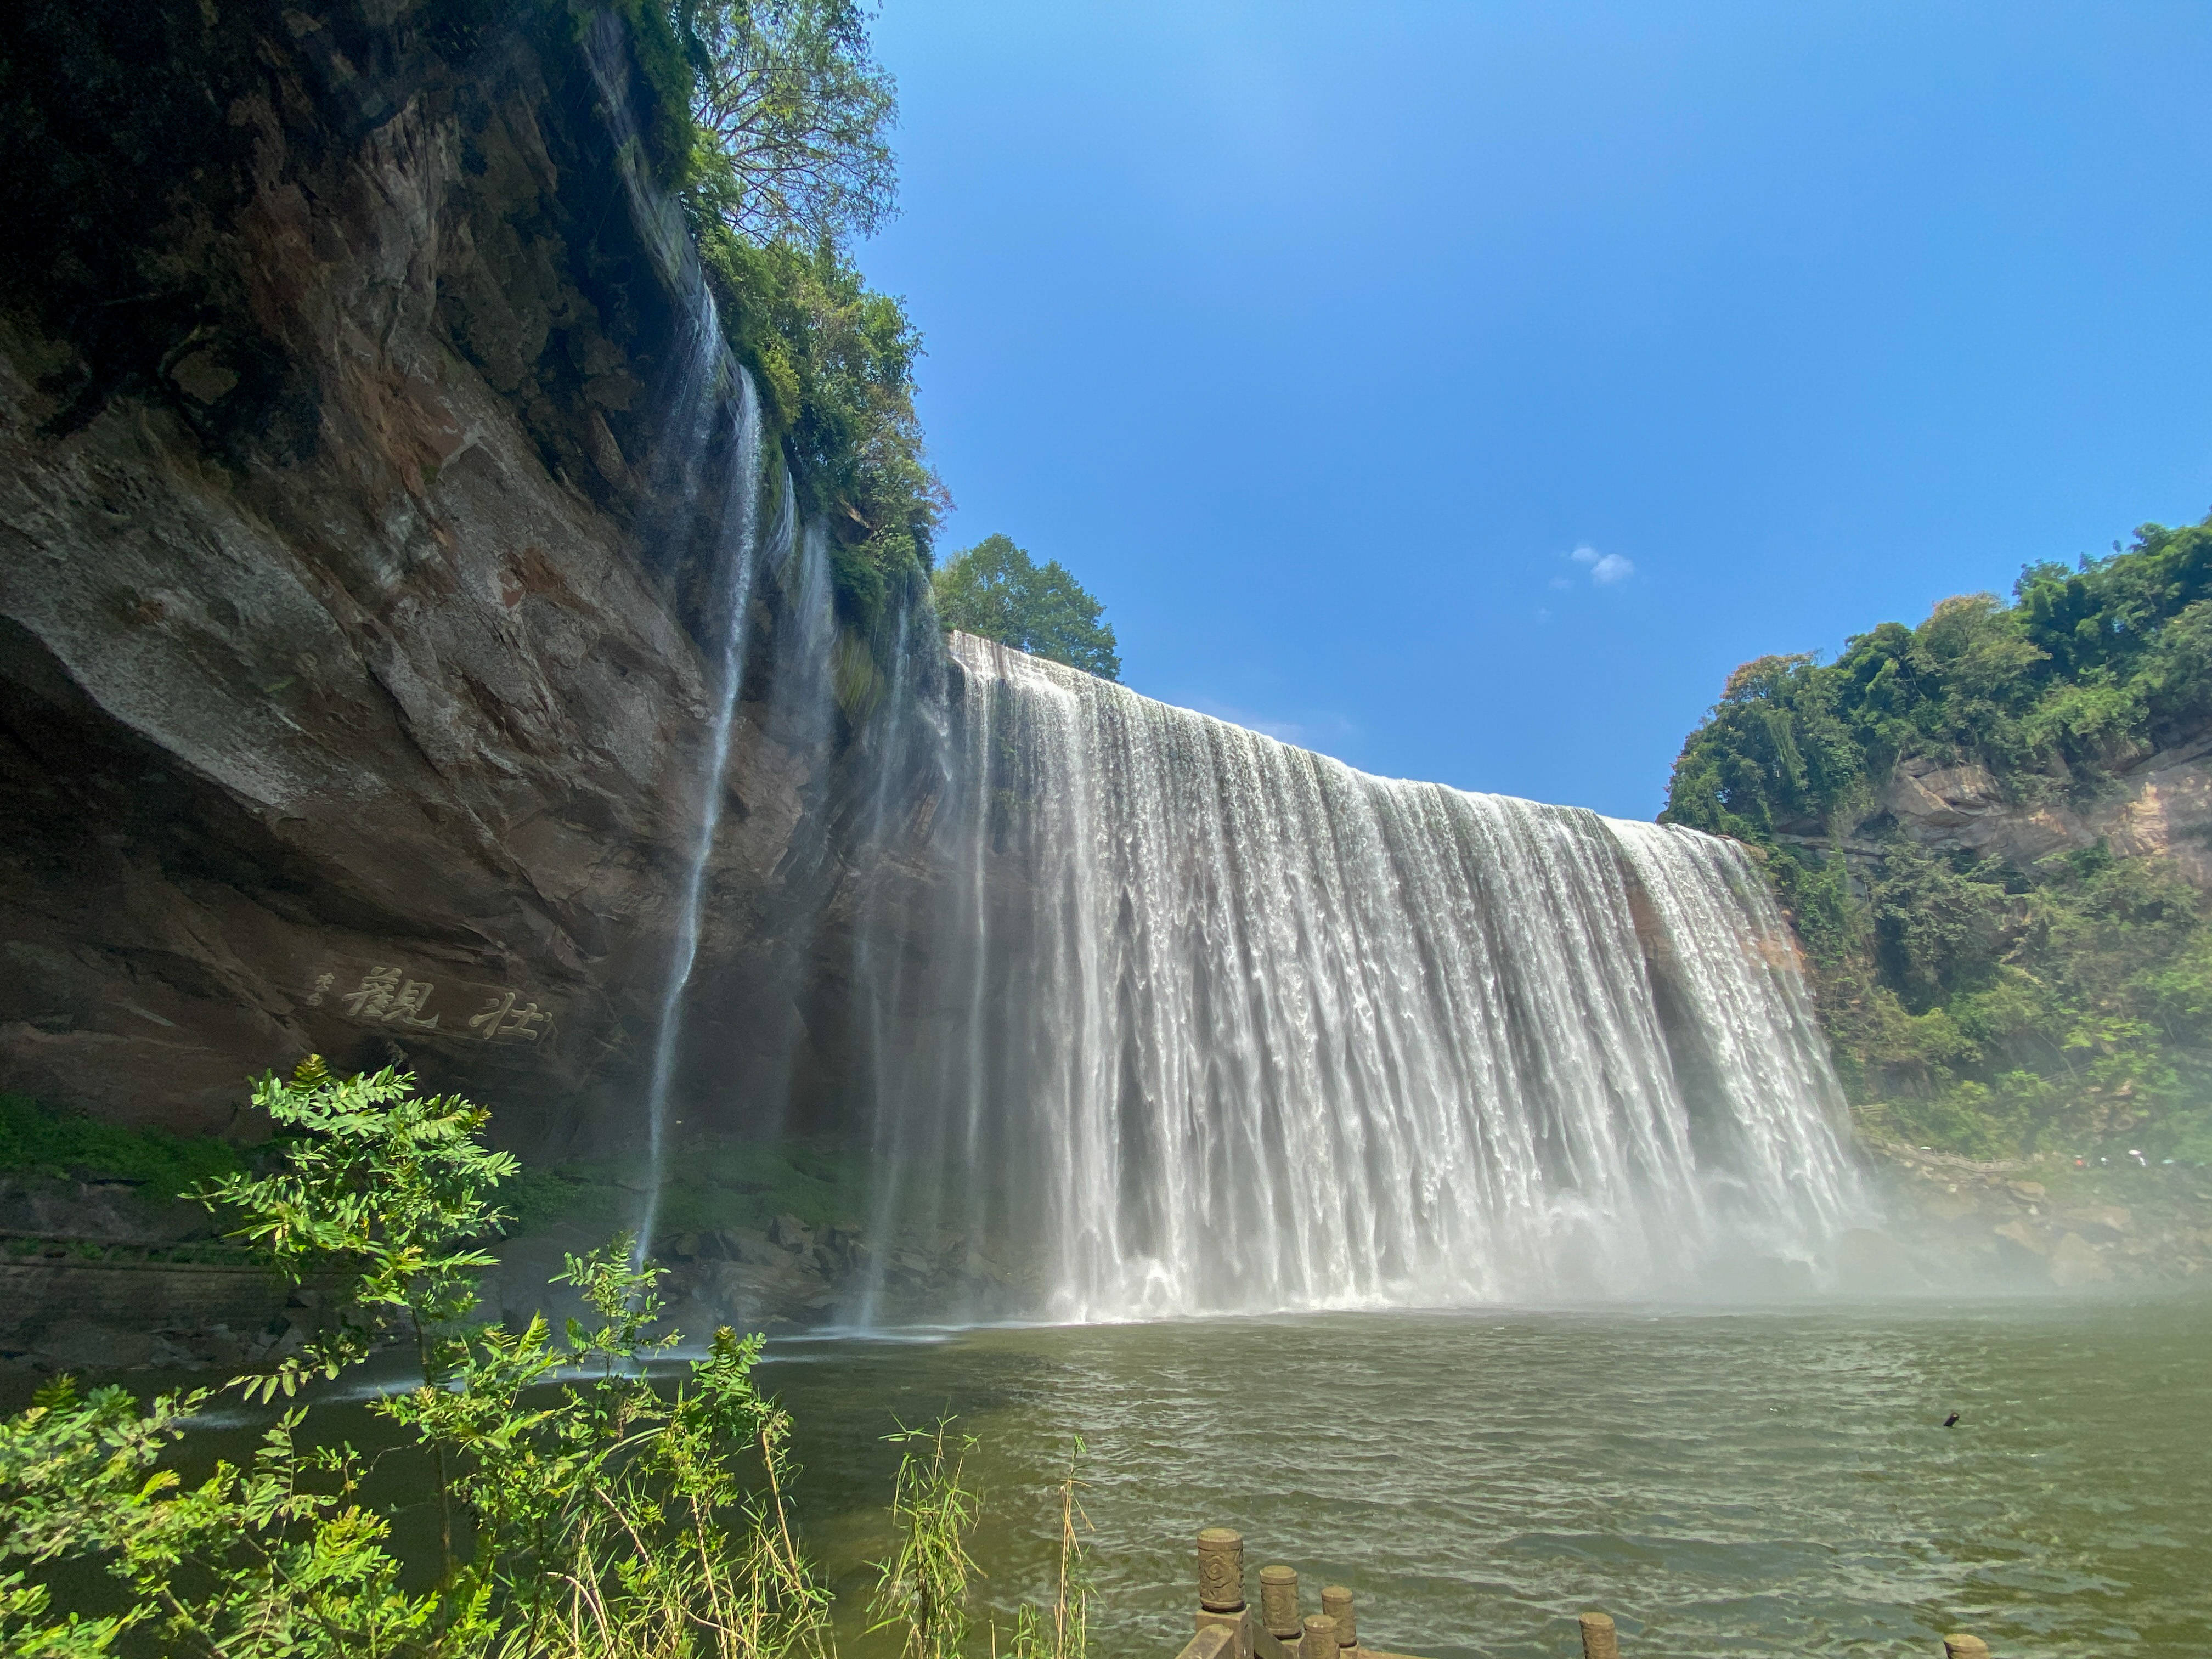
(1599, 1640)
(1318, 1641)
(1221, 1569)
(1221, 1585)
(1965, 1647)
(1278, 1602)
(1336, 1602)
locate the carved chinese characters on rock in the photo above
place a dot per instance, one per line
(501, 1019)
(384, 996)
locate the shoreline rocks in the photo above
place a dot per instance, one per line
(2046, 1224)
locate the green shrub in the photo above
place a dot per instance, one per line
(597, 1516)
(39, 1139)
(585, 1510)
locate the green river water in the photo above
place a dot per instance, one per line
(1721, 1482)
(1771, 1481)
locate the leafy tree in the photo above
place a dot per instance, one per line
(790, 166)
(793, 110)
(995, 590)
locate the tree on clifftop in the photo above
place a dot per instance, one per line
(787, 164)
(995, 590)
(794, 111)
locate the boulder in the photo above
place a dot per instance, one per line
(2103, 1223)
(790, 1233)
(2075, 1262)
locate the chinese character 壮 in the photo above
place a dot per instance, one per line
(501, 1018)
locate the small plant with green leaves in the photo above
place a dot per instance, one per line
(1063, 1630)
(922, 1586)
(600, 1515)
(388, 1187)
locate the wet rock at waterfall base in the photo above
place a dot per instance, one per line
(2044, 1226)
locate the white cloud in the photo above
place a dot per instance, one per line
(1561, 582)
(1605, 569)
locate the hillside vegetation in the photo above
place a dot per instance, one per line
(1982, 1006)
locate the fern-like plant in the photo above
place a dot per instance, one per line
(585, 1509)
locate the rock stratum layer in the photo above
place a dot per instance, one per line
(353, 697)
(2150, 801)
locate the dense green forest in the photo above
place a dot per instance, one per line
(1992, 1007)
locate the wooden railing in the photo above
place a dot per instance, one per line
(1226, 1629)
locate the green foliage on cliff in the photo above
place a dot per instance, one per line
(42, 1140)
(834, 364)
(790, 165)
(718, 1182)
(996, 590)
(1981, 1005)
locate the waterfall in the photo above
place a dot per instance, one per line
(741, 554)
(708, 480)
(1221, 1025)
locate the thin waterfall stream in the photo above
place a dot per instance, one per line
(740, 511)
(712, 478)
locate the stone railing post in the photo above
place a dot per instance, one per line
(1319, 1640)
(1599, 1640)
(1336, 1602)
(1221, 1586)
(1965, 1647)
(1279, 1603)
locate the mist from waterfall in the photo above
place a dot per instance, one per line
(1220, 1025)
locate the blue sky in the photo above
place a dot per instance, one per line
(1464, 389)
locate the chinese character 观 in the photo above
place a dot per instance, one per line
(384, 995)
(374, 999)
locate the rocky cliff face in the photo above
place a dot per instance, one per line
(2034, 1223)
(355, 690)
(2152, 801)
(2145, 801)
